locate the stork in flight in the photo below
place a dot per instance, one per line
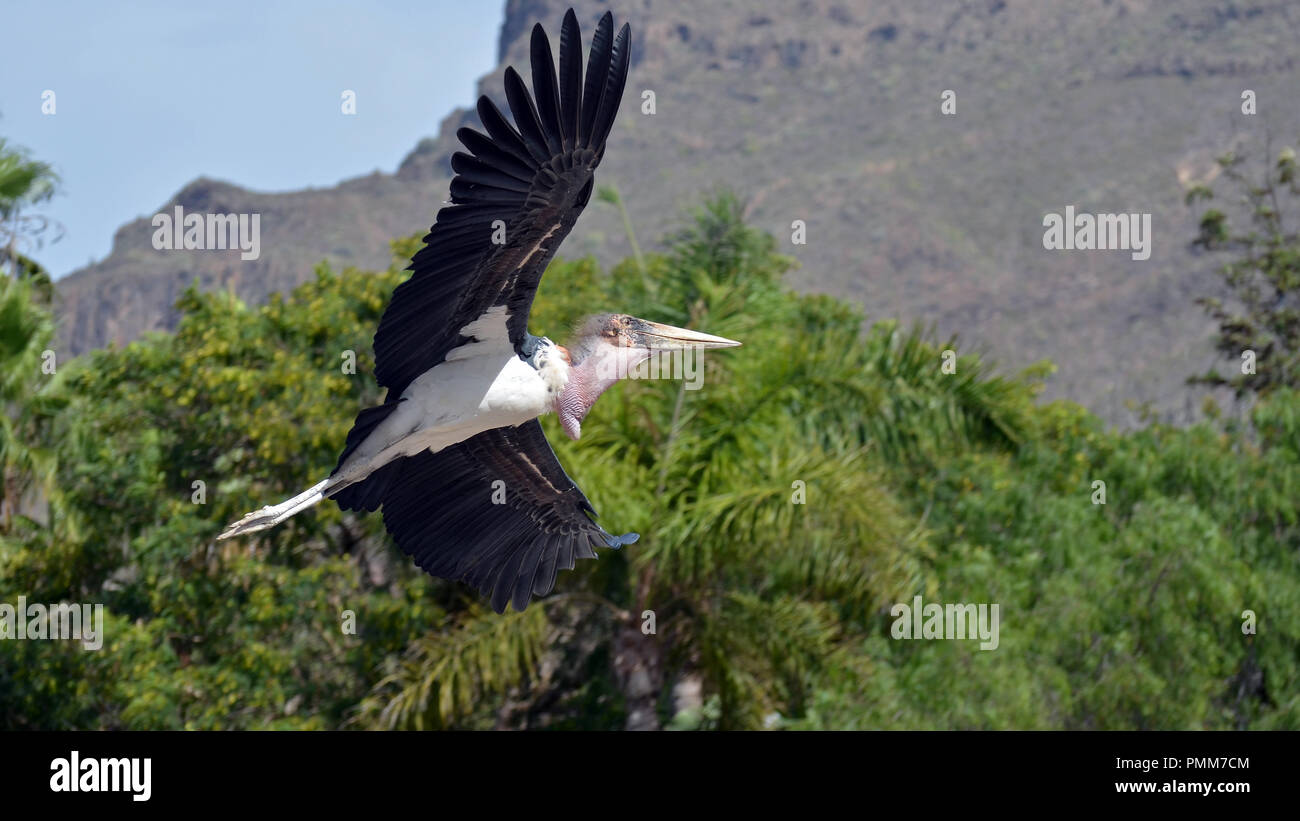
(466, 380)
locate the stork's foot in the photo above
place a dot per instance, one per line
(253, 522)
(272, 515)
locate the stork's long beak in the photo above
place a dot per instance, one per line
(657, 337)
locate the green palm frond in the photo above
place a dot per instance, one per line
(444, 677)
(30, 399)
(759, 654)
(23, 181)
(924, 408)
(776, 520)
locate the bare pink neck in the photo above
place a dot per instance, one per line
(594, 374)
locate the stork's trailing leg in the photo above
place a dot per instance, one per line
(363, 462)
(272, 515)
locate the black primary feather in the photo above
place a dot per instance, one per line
(570, 79)
(597, 72)
(546, 91)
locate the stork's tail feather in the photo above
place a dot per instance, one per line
(272, 515)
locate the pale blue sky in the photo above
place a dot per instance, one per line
(151, 95)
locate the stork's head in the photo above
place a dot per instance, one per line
(607, 348)
(642, 337)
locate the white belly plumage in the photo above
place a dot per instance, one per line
(480, 386)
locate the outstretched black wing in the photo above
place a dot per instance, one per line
(515, 197)
(447, 511)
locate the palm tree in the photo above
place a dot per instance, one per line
(29, 396)
(26, 330)
(24, 182)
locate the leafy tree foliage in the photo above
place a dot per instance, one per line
(1263, 275)
(821, 473)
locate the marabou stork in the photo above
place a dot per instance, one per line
(466, 380)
